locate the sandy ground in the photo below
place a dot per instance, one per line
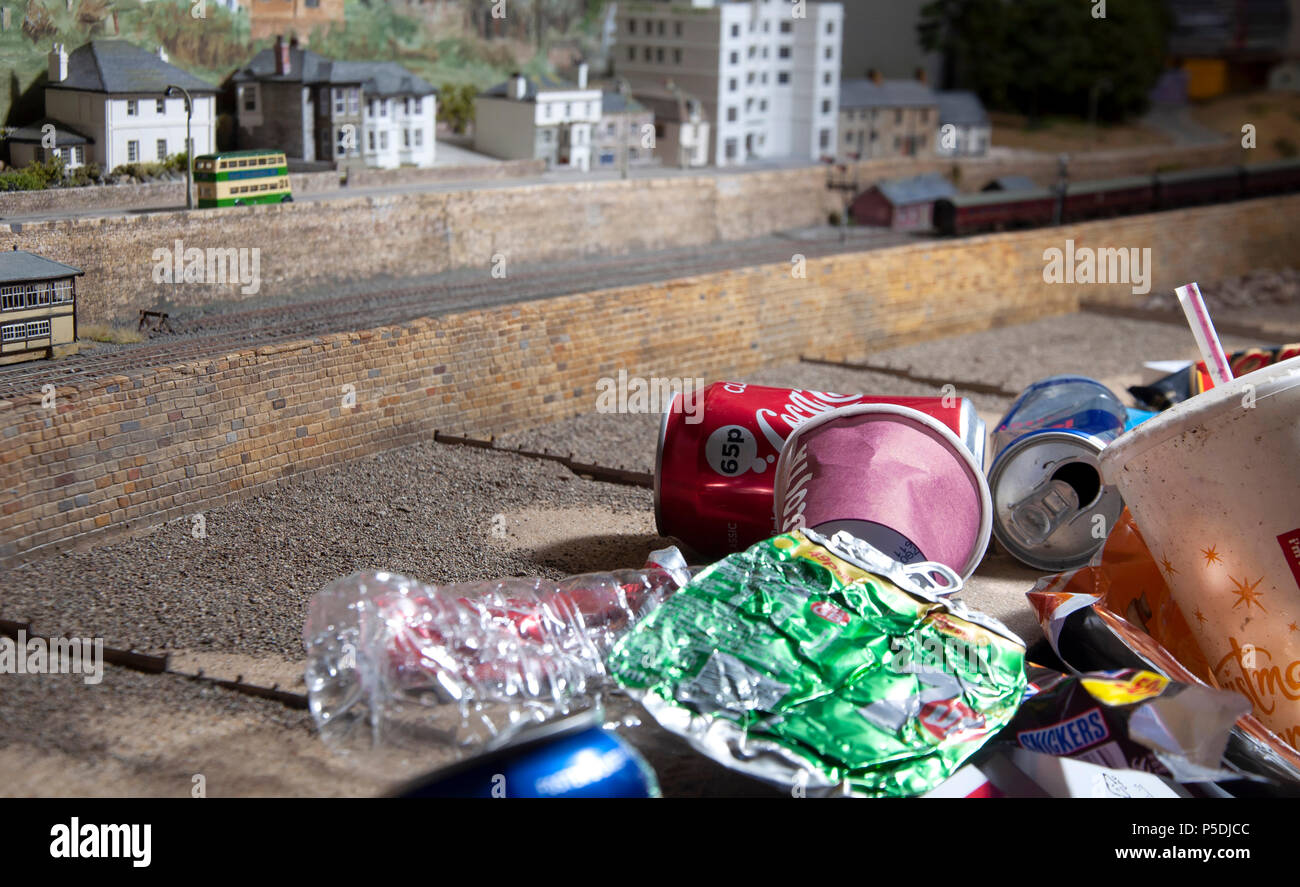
(233, 604)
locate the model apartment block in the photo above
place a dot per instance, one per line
(767, 72)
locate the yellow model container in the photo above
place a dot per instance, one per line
(1206, 78)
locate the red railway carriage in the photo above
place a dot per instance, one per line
(994, 211)
(1108, 197)
(1197, 186)
(1279, 177)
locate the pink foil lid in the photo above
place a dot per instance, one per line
(894, 466)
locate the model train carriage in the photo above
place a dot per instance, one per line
(1197, 186)
(1108, 197)
(1279, 177)
(994, 211)
(38, 306)
(240, 178)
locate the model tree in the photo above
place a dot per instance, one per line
(1039, 57)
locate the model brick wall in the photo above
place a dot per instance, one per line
(129, 452)
(425, 233)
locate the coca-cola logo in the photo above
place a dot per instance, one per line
(800, 407)
(792, 503)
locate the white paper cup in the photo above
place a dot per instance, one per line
(1214, 486)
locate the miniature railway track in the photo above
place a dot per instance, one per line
(199, 335)
(960, 385)
(623, 476)
(152, 664)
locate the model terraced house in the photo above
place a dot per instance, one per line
(542, 118)
(108, 99)
(374, 114)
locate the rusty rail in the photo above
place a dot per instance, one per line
(959, 384)
(623, 476)
(151, 664)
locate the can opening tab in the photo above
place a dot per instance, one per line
(1043, 511)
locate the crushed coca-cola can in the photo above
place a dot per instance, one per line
(715, 477)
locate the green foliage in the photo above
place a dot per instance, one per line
(86, 174)
(456, 105)
(152, 169)
(211, 45)
(35, 176)
(1038, 57)
(38, 24)
(20, 180)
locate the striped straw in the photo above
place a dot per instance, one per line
(1189, 296)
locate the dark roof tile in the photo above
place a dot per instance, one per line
(18, 265)
(117, 67)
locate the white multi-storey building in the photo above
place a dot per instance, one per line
(113, 93)
(767, 72)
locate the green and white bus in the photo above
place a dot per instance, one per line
(240, 178)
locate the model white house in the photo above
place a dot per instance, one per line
(542, 118)
(766, 71)
(112, 93)
(313, 108)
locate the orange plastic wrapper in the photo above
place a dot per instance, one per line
(1126, 590)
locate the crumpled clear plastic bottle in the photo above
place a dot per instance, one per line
(394, 663)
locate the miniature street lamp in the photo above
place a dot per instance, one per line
(189, 145)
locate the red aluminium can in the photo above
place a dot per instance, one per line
(715, 469)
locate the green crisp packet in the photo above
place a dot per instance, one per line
(825, 666)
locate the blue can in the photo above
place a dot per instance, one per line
(571, 758)
(1051, 510)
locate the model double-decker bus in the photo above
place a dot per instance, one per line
(241, 178)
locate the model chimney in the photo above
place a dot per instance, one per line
(162, 53)
(582, 75)
(518, 86)
(58, 63)
(875, 76)
(921, 76)
(282, 64)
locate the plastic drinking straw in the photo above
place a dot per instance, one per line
(1189, 296)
